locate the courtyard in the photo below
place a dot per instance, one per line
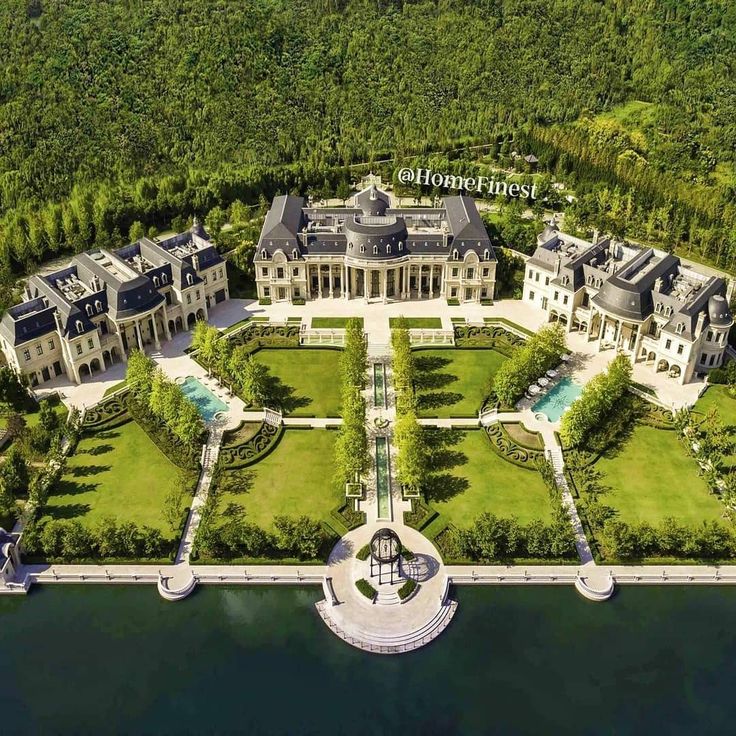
(468, 478)
(454, 382)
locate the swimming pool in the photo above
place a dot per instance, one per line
(553, 404)
(207, 403)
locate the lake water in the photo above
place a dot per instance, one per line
(99, 660)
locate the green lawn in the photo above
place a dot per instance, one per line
(652, 478)
(304, 381)
(118, 473)
(332, 323)
(33, 416)
(717, 396)
(295, 479)
(469, 478)
(115, 387)
(453, 382)
(417, 323)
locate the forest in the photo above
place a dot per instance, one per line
(142, 111)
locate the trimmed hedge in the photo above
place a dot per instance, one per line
(658, 417)
(252, 450)
(366, 588)
(363, 553)
(348, 516)
(420, 515)
(407, 589)
(492, 336)
(105, 411)
(505, 447)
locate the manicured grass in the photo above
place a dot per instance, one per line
(118, 473)
(522, 436)
(453, 382)
(32, 417)
(652, 478)
(417, 323)
(304, 381)
(331, 323)
(115, 387)
(717, 396)
(295, 479)
(468, 478)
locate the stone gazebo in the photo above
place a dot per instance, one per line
(385, 548)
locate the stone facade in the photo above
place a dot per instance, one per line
(83, 318)
(373, 251)
(641, 301)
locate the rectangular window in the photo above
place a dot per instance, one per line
(264, 272)
(297, 293)
(531, 296)
(90, 343)
(703, 358)
(266, 291)
(189, 298)
(454, 273)
(546, 280)
(27, 354)
(453, 292)
(196, 296)
(668, 345)
(680, 348)
(79, 348)
(712, 359)
(39, 350)
(279, 273)
(530, 274)
(485, 272)
(51, 345)
(556, 297)
(220, 272)
(565, 299)
(295, 271)
(536, 276)
(470, 273)
(205, 279)
(709, 336)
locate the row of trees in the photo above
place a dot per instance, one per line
(163, 398)
(539, 353)
(351, 447)
(233, 365)
(600, 397)
(69, 539)
(409, 438)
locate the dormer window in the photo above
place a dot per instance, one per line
(89, 309)
(658, 307)
(350, 246)
(362, 249)
(190, 279)
(668, 312)
(455, 255)
(486, 255)
(680, 327)
(264, 253)
(156, 281)
(565, 280)
(401, 245)
(388, 249)
(295, 254)
(80, 327)
(375, 250)
(98, 306)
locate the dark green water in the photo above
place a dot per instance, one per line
(97, 660)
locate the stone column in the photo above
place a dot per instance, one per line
(123, 354)
(384, 288)
(366, 285)
(601, 331)
(431, 282)
(344, 280)
(331, 284)
(167, 332)
(155, 332)
(138, 335)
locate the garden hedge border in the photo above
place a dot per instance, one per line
(263, 442)
(506, 448)
(428, 514)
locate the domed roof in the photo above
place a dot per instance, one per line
(372, 201)
(718, 311)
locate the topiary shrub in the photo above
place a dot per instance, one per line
(407, 589)
(363, 553)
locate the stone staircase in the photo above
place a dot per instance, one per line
(555, 456)
(388, 598)
(393, 643)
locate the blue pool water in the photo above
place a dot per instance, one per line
(207, 403)
(558, 399)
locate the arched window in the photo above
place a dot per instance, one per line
(455, 255)
(156, 281)
(388, 248)
(486, 255)
(98, 305)
(658, 307)
(90, 311)
(190, 279)
(401, 245)
(680, 327)
(164, 278)
(295, 254)
(264, 253)
(375, 250)
(350, 245)
(80, 326)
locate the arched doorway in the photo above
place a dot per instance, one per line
(179, 324)
(83, 371)
(651, 357)
(172, 327)
(675, 371)
(114, 354)
(201, 314)
(663, 365)
(191, 319)
(94, 365)
(106, 358)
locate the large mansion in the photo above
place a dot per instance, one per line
(374, 251)
(85, 317)
(641, 301)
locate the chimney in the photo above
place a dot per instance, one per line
(195, 263)
(557, 265)
(699, 324)
(595, 236)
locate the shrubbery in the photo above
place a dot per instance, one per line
(365, 588)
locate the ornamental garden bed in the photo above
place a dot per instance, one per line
(468, 478)
(452, 382)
